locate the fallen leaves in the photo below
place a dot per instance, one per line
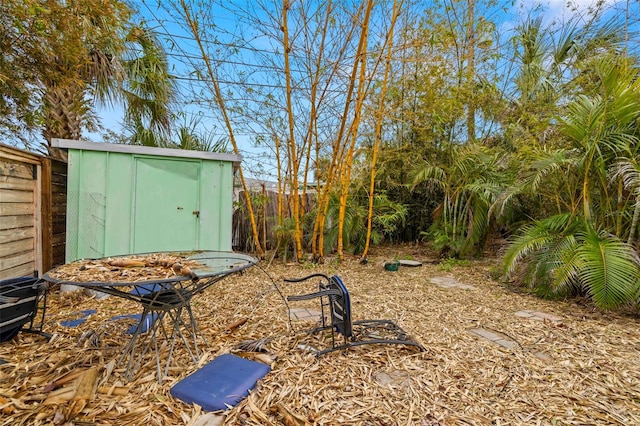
(590, 372)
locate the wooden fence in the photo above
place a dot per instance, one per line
(32, 212)
(266, 214)
(54, 212)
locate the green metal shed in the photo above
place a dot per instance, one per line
(124, 199)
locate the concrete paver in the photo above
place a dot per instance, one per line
(537, 315)
(494, 338)
(447, 282)
(304, 314)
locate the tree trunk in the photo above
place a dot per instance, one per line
(471, 56)
(193, 26)
(293, 154)
(378, 131)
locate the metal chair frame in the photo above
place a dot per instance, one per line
(20, 299)
(335, 303)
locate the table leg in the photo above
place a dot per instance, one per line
(134, 358)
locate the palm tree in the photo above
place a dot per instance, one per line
(98, 56)
(469, 181)
(148, 89)
(563, 255)
(582, 248)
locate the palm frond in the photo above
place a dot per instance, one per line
(609, 269)
(538, 236)
(259, 345)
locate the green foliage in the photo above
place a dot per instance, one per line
(60, 60)
(285, 234)
(580, 185)
(563, 256)
(387, 216)
(450, 263)
(470, 182)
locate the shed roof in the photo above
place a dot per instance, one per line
(143, 150)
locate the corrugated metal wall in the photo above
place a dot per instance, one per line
(107, 191)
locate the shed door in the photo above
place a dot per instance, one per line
(166, 205)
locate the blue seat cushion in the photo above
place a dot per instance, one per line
(143, 289)
(221, 383)
(83, 315)
(144, 327)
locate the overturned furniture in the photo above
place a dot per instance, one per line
(334, 298)
(20, 299)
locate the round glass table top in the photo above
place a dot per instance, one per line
(149, 268)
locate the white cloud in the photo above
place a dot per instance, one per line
(564, 10)
(568, 7)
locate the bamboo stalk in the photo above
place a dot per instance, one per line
(325, 195)
(193, 26)
(315, 101)
(376, 141)
(347, 163)
(293, 158)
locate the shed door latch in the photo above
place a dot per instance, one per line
(197, 213)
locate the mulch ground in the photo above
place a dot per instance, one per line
(582, 369)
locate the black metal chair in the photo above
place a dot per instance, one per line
(20, 299)
(334, 298)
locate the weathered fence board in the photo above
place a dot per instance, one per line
(54, 212)
(10, 169)
(13, 195)
(11, 222)
(17, 246)
(15, 184)
(17, 233)
(24, 260)
(20, 219)
(17, 209)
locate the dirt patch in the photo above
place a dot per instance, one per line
(590, 373)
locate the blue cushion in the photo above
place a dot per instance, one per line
(76, 322)
(223, 382)
(146, 324)
(142, 289)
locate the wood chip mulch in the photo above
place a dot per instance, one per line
(126, 269)
(584, 369)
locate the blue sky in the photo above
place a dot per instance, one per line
(229, 26)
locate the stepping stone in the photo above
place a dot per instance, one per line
(392, 378)
(493, 337)
(542, 356)
(509, 344)
(446, 282)
(412, 263)
(538, 316)
(304, 314)
(465, 286)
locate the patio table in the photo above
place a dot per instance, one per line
(165, 295)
